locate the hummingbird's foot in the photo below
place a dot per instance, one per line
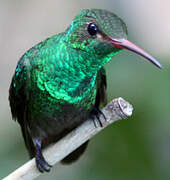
(41, 164)
(96, 112)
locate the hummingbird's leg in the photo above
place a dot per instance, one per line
(96, 112)
(41, 163)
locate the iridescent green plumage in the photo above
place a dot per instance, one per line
(60, 81)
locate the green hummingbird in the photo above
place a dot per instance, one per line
(60, 82)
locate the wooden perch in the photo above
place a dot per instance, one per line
(117, 109)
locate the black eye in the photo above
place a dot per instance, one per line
(92, 29)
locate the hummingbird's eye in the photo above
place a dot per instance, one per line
(92, 29)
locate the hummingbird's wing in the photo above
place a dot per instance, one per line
(101, 97)
(18, 104)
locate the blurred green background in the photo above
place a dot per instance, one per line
(133, 149)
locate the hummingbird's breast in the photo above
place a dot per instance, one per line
(54, 110)
(61, 95)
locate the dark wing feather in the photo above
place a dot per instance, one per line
(18, 104)
(101, 97)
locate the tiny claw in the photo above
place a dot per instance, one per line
(100, 112)
(96, 112)
(41, 164)
(94, 120)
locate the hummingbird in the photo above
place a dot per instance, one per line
(61, 82)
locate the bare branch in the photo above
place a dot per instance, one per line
(117, 109)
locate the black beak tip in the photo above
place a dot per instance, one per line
(159, 65)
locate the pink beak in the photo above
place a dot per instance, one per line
(125, 44)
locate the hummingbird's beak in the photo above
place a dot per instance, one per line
(125, 44)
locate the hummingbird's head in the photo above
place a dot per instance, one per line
(101, 34)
